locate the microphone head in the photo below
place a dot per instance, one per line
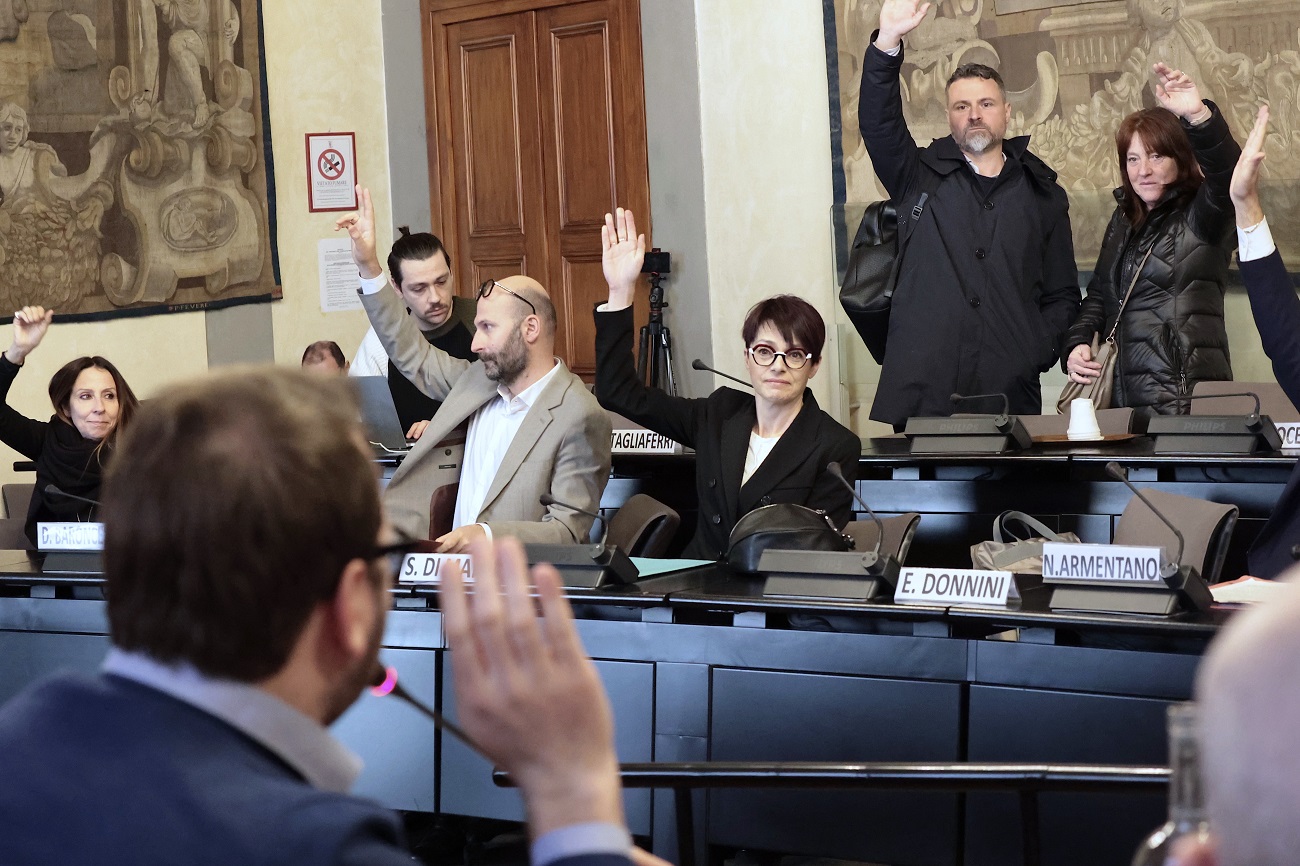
(53, 488)
(697, 364)
(955, 397)
(546, 499)
(382, 680)
(834, 469)
(1113, 469)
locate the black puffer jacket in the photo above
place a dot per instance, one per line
(1172, 333)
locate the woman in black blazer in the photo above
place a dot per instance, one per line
(750, 449)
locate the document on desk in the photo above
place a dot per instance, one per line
(1246, 590)
(647, 567)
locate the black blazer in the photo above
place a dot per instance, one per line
(718, 428)
(1276, 308)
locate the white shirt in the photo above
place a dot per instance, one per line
(756, 453)
(1254, 242)
(371, 359)
(491, 430)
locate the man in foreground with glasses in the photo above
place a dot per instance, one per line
(750, 450)
(532, 427)
(202, 740)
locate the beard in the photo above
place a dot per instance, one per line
(509, 361)
(360, 674)
(977, 141)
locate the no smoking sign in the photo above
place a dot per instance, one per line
(331, 171)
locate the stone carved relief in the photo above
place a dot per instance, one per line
(1075, 69)
(134, 177)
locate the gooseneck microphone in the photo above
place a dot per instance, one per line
(1168, 569)
(54, 490)
(833, 470)
(1003, 419)
(383, 681)
(1252, 420)
(697, 364)
(599, 547)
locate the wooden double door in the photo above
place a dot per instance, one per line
(536, 118)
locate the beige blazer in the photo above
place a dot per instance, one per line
(562, 447)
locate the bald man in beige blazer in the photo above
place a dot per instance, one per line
(533, 427)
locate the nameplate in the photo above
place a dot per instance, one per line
(69, 536)
(961, 586)
(430, 568)
(1102, 563)
(643, 442)
(1289, 433)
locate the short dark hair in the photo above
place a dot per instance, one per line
(977, 70)
(231, 508)
(322, 349)
(65, 379)
(1163, 133)
(413, 247)
(796, 320)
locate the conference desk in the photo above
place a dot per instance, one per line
(958, 496)
(700, 666)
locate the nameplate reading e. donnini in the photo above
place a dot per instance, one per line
(1113, 564)
(69, 536)
(962, 586)
(431, 568)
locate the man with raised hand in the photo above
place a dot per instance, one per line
(248, 570)
(987, 284)
(531, 426)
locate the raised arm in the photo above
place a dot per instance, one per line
(1273, 300)
(430, 368)
(24, 435)
(618, 388)
(1216, 150)
(893, 152)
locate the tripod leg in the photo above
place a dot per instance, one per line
(666, 344)
(646, 347)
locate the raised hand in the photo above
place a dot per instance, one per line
(30, 325)
(360, 227)
(623, 253)
(1244, 187)
(897, 19)
(1178, 93)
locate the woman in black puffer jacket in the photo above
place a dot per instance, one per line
(1174, 223)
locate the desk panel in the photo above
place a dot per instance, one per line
(766, 715)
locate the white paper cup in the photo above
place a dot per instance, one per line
(1083, 421)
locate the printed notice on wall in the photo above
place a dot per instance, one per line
(338, 275)
(331, 171)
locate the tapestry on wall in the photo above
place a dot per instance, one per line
(1074, 69)
(133, 157)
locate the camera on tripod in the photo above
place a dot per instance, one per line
(654, 363)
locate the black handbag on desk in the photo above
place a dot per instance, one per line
(781, 526)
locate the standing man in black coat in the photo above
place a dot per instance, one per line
(988, 282)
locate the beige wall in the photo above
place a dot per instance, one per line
(314, 87)
(767, 179)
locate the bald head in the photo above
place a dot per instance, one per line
(1249, 691)
(535, 293)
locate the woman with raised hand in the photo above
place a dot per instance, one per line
(771, 446)
(1160, 277)
(92, 402)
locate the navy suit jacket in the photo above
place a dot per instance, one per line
(1276, 309)
(103, 771)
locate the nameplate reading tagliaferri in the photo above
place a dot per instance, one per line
(69, 536)
(431, 568)
(1101, 563)
(958, 586)
(642, 442)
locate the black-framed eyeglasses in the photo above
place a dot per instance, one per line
(395, 554)
(765, 356)
(486, 287)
